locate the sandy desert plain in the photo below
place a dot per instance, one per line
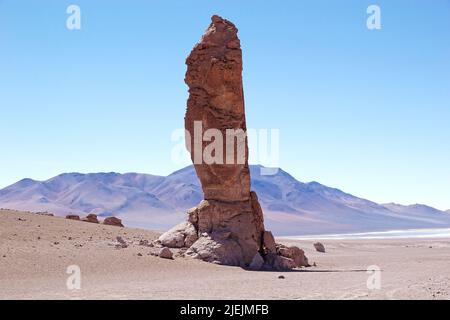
(36, 251)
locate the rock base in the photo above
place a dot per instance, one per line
(232, 233)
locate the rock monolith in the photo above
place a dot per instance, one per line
(227, 227)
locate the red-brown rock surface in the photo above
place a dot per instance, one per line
(113, 221)
(228, 226)
(92, 218)
(229, 232)
(216, 100)
(319, 247)
(73, 217)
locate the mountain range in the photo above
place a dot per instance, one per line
(159, 202)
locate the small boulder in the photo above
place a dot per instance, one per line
(257, 262)
(73, 217)
(319, 247)
(182, 235)
(92, 218)
(121, 243)
(113, 221)
(298, 255)
(144, 243)
(294, 253)
(45, 214)
(172, 238)
(217, 248)
(279, 263)
(165, 253)
(282, 263)
(282, 250)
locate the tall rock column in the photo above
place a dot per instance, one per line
(216, 101)
(227, 226)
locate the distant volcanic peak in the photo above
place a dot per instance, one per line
(106, 174)
(394, 205)
(419, 206)
(314, 183)
(71, 174)
(26, 182)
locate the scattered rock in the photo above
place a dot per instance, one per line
(296, 254)
(45, 214)
(281, 277)
(20, 219)
(113, 221)
(73, 217)
(165, 253)
(145, 243)
(92, 218)
(121, 243)
(139, 254)
(319, 247)
(299, 257)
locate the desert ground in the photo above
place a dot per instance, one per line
(36, 250)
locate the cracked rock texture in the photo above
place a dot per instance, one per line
(227, 227)
(216, 99)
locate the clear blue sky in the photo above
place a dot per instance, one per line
(365, 111)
